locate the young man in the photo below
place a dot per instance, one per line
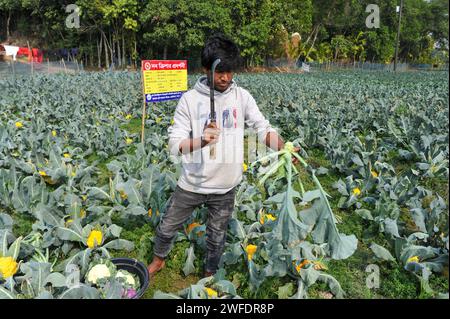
(205, 180)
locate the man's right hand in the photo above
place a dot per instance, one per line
(211, 134)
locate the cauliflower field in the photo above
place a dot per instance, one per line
(365, 215)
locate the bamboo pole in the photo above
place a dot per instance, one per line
(143, 109)
(30, 53)
(13, 69)
(64, 63)
(398, 35)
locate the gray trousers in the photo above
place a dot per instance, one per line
(179, 209)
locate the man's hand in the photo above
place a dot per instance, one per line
(211, 134)
(275, 142)
(295, 161)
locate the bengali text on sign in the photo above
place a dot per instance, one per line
(164, 79)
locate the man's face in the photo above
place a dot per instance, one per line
(222, 80)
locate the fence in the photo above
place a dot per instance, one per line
(357, 65)
(12, 68)
(375, 66)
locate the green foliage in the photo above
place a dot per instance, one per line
(130, 29)
(382, 133)
(182, 26)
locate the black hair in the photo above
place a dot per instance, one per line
(220, 47)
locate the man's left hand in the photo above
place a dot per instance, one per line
(275, 142)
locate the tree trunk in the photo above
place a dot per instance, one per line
(165, 53)
(314, 41)
(124, 56)
(91, 53)
(99, 51)
(91, 56)
(310, 35)
(111, 49)
(8, 20)
(135, 53)
(106, 52)
(107, 46)
(119, 51)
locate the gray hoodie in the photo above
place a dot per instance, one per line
(235, 110)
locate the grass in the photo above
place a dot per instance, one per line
(170, 279)
(103, 173)
(22, 224)
(133, 126)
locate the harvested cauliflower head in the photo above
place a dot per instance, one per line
(97, 273)
(127, 278)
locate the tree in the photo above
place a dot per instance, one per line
(182, 26)
(380, 44)
(9, 6)
(253, 23)
(342, 47)
(112, 23)
(292, 23)
(358, 47)
(438, 22)
(116, 30)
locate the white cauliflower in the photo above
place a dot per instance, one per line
(129, 279)
(99, 271)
